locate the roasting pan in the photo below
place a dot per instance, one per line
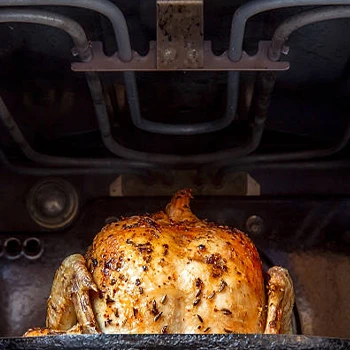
(171, 341)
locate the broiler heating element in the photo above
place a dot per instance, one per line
(179, 44)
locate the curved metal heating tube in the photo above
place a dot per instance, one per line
(183, 129)
(303, 19)
(78, 36)
(72, 28)
(112, 170)
(104, 7)
(102, 116)
(123, 40)
(252, 8)
(281, 34)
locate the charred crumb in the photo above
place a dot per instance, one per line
(94, 262)
(196, 302)
(113, 281)
(201, 247)
(199, 285)
(206, 330)
(157, 317)
(166, 247)
(164, 330)
(137, 282)
(144, 268)
(144, 247)
(109, 300)
(218, 264)
(226, 311)
(152, 223)
(199, 327)
(141, 290)
(154, 234)
(147, 258)
(222, 286)
(135, 311)
(212, 295)
(122, 277)
(200, 318)
(107, 323)
(154, 308)
(228, 330)
(116, 313)
(164, 298)
(100, 294)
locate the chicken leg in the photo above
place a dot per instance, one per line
(280, 301)
(69, 308)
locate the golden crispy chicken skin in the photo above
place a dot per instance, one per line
(168, 273)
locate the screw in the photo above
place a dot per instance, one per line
(169, 55)
(255, 225)
(75, 51)
(192, 55)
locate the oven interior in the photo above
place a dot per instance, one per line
(90, 137)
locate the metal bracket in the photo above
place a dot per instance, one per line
(102, 63)
(179, 34)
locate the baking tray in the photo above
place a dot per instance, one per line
(175, 341)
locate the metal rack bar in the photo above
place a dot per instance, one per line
(183, 129)
(252, 8)
(72, 28)
(177, 160)
(303, 19)
(254, 160)
(79, 38)
(103, 7)
(121, 168)
(30, 153)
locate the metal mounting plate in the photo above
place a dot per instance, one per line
(102, 63)
(179, 34)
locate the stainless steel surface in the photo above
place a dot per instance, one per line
(294, 23)
(180, 36)
(102, 63)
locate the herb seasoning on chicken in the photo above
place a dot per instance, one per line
(169, 272)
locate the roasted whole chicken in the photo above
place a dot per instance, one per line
(169, 272)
